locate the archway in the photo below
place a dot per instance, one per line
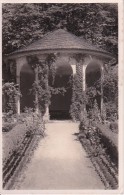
(93, 81)
(27, 78)
(60, 104)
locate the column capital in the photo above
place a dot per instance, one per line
(19, 63)
(21, 60)
(90, 59)
(73, 68)
(72, 60)
(42, 57)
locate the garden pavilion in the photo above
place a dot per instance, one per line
(72, 55)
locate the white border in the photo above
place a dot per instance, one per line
(121, 100)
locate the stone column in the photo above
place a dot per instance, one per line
(19, 63)
(83, 113)
(36, 95)
(73, 66)
(46, 118)
(102, 79)
(84, 77)
(71, 60)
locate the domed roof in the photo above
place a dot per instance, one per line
(60, 40)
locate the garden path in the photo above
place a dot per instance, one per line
(60, 162)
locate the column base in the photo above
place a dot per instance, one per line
(18, 106)
(46, 116)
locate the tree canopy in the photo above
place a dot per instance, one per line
(24, 23)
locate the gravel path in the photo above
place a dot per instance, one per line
(60, 162)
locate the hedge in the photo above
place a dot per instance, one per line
(12, 140)
(110, 141)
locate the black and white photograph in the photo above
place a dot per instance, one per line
(60, 96)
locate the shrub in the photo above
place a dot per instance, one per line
(21, 118)
(91, 133)
(8, 126)
(103, 113)
(110, 141)
(10, 94)
(114, 126)
(94, 113)
(111, 111)
(33, 121)
(32, 125)
(12, 140)
(84, 124)
(8, 121)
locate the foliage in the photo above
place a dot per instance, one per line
(57, 90)
(41, 86)
(94, 113)
(12, 140)
(24, 23)
(101, 145)
(91, 133)
(34, 122)
(91, 118)
(103, 113)
(84, 123)
(51, 58)
(110, 94)
(114, 126)
(91, 93)
(9, 120)
(78, 98)
(32, 125)
(21, 117)
(8, 126)
(10, 95)
(99, 135)
(110, 97)
(110, 85)
(111, 111)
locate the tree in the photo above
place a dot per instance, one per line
(24, 23)
(110, 92)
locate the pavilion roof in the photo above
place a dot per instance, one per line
(59, 40)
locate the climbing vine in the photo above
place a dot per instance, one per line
(82, 101)
(10, 95)
(78, 96)
(41, 86)
(51, 58)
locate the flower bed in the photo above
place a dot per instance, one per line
(17, 141)
(12, 140)
(110, 141)
(100, 143)
(8, 126)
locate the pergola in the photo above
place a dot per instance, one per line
(75, 50)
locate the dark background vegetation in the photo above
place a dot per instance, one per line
(24, 23)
